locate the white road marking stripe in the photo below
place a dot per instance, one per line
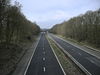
(44, 69)
(72, 49)
(79, 53)
(57, 58)
(94, 61)
(43, 52)
(44, 59)
(32, 55)
(74, 60)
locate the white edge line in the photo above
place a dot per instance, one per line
(74, 60)
(31, 56)
(57, 58)
(76, 46)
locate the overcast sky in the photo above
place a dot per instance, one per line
(47, 13)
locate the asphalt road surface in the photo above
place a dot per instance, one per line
(44, 61)
(91, 63)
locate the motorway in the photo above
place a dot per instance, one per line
(44, 61)
(89, 62)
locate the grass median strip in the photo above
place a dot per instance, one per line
(69, 67)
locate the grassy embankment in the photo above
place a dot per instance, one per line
(83, 43)
(68, 65)
(11, 54)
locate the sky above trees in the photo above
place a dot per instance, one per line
(47, 13)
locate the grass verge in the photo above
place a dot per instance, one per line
(11, 54)
(69, 67)
(82, 43)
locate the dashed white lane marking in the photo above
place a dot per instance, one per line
(79, 53)
(43, 52)
(94, 61)
(43, 59)
(72, 49)
(44, 69)
(43, 48)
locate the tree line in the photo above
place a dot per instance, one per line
(16, 34)
(83, 28)
(13, 24)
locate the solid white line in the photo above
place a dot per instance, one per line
(44, 69)
(73, 59)
(31, 56)
(57, 58)
(76, 46)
